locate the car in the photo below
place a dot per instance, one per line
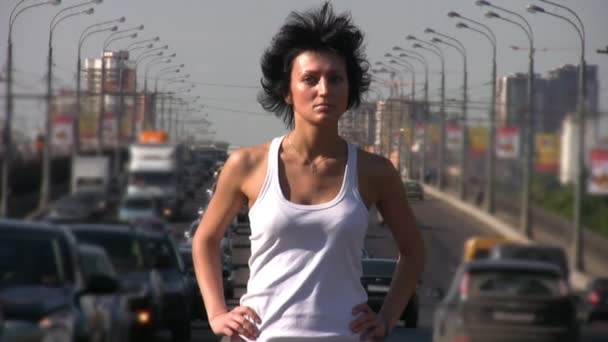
(94, 260)
(141, 282)
(534, 252)
(133, 207)
(45, 294)
(177, 297)
(79, 206)
(507, 300)
(478, 247)
(376, 279)
(413, 189)
(595, 301)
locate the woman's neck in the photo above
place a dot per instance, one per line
(312, 142)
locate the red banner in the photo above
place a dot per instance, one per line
(598, 173)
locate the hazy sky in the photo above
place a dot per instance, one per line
(221, 43)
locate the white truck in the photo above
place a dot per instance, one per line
(155, 170)
(90, 174)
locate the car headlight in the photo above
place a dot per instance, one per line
(57, 327)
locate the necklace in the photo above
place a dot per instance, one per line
(313, 165)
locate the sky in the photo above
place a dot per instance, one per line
(221, 42)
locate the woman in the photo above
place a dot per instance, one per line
(309, 194)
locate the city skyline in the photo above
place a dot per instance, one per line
(208, 37)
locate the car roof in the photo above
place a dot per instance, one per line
(35, 227)
(529, 247)
(119, 227)
(512, 265)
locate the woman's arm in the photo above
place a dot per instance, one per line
(223, 207)
(393, 205)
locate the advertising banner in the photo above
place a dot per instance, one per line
(478, 140)
(61, 136)
(453, 137)
(419, 131)
(597, 183)
(547, 153)
(433, 134)
(507, 142)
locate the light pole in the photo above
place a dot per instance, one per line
(136, 45)
(45, 183)
(391, 128)
(491, 153)
(407, 65)
(147, 54)
(422, 60)
(170, 69)
(7, 135)
(116, 36)
(528, 122)
(152, 63)
(581, 119)
(439, 53)
(464, 145)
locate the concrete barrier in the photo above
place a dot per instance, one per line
(578, 280)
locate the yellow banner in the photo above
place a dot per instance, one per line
(547, 152)
(478, 139)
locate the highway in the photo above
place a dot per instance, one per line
(444, 230)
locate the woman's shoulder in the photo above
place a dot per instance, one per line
(248, 157)
(374, 165)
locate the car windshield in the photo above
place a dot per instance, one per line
(27, 260)
(160, 247)
(123, 249)
(138, 203)
(155, 178)
(378, 267)
(94, 263)
(513, 283)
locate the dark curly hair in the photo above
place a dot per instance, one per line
(319, 30)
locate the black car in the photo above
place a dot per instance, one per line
(142, 283)
(413, 189)
(595, 301)
(507, 300)
(45, 295)
(177, 296)
(376, 279)
(78, 207)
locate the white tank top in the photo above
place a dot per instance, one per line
(305, 264)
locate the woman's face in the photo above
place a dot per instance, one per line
(318, 89)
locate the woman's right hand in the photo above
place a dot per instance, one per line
(236, 322)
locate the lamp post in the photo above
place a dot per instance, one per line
(170, 69)
(581, 120)
(147, 54)
(491, 156)
(146, 42)
(45, 179)
(439, 53)
(401, 114)
(411, 69)
(83, 36)
(464, 145)
(116, 36)
(420, 58)
(528, 122)
(7, 131)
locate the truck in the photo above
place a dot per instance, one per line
(155, 169)
(90, 174)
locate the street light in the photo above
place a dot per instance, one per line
(491, 157)
(464, 145)
(150, 40)
(439, 53)
(45, 183)
(7, 135)
(581, 119)
(528, 122)
(169, 69)
(422, 60)
(147, 54)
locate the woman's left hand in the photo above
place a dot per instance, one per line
(368, 324)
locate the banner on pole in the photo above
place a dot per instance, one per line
(478, 140)
(547, 153)
(507, 143)
(597, 183)
(61, 133)
(453, 137)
